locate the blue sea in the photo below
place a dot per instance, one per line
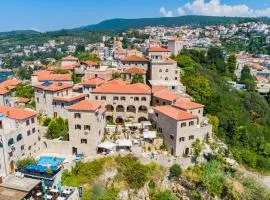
(4, 75)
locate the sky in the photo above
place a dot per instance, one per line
(48, 15)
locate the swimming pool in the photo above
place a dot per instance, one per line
(49, 161)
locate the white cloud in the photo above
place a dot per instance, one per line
(216, 8)
(166, 13)
(180, 11)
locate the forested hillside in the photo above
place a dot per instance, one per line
(240, 118)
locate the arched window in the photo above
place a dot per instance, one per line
(19, 137)
(166, 78)
(10, 141)
(143, 99)
(143, 109)
(109, 108)
(131, 108)
(78, 126)
(167, 70)
(120, 108)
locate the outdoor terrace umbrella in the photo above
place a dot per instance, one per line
(43, 186)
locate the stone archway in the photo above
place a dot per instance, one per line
(119, 120)
(140, 119)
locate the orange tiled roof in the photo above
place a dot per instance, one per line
(122, 88)
(68, 67)
(175, 38)
(134, 70)
(54, 77)
(134, 58)
(166, 95)
(24, 100)
(120, 52)
(187, 105)
(16, 113)
(69, 99)
(159, 88)
(174, 113)
(86, 105)
(158, 49)
(8, 85)
(94, 81)
(41, 72)
(69, 58)
(54, 86)
(89, 62)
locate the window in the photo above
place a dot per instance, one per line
(160, 70)
(29, 148)
(37, 99)
(1, 125)
(176, 72)
(28, 132)
(83, 141)
(175, 78)
(191, 137)
(62, 105)
(166, 78)
(33, 120)
(191, 123)
(183, 124)
(96, 97)
(103, 98)
(78, 126)
(172, 137)
(10, 141)
(136, 99)
(33, 130)
(156, 114)
(181, 139)
(27, 122)
(167, 70)
(123, 98)
(77, 115)
(199, 111)
(143, 99)
(157, 101)
(87, 127)
(115, 98)
(19, 137)
(22, 147)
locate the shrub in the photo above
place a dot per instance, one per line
(21, 164)
(175, 170)
(46, 121)
(165, 195)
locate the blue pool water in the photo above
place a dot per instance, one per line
(50, 161)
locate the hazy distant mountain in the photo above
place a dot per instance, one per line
(122, 24)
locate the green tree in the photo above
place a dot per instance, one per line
(25, 91)
(137, 78)
(116, 75)
(197, 148)
(231, 63)
(175, 170)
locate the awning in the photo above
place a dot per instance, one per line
(149, 135)
(146, 123)
(107, 145)
(124, 143)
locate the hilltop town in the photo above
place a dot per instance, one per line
(76, 113)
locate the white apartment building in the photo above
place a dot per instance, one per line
(19, 137)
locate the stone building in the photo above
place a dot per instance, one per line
(86, 120)
(181, 124)
(19, 137)
(123, 100)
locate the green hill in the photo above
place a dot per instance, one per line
(122, 24)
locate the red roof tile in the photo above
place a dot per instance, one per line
(54, 77)
(40, 72)
(54, 86)
(89, 62)
(134, 70)
(69, 58)
(174, 113)
(166, 95)
(16, 113)
(69, 99)
(8, 85)
(94, 81)
(158, 49)
(86, 105)
(134, 58)
(187, 105)
(122, 88)
(24, 100)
